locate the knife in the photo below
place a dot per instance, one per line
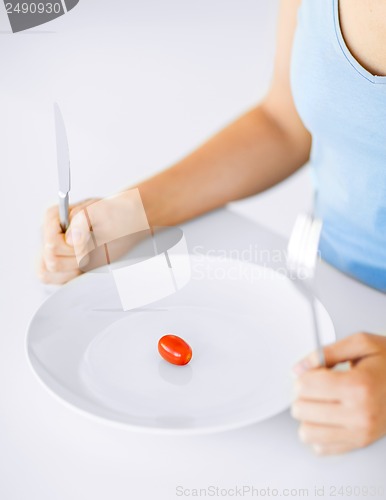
(63, 156)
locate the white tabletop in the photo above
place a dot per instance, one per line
(124, 82)
(48, 451)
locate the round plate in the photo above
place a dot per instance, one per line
(247, 326)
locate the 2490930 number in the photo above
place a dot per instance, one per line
(33, 8)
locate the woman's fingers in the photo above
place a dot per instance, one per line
(58, 262)
(56, 245)
(320, 412)
(93, 224)
(330, 439)
(342, 411)
(54, 242)
(352, 348)
(332, 449)
(54, 239)
(61, 264)
(321, 384)
(315, 434)
(56, 277)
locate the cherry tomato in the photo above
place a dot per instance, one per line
(174, 350)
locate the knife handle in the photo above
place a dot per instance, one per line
(63, 211)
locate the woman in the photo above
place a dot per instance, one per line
(325, 104)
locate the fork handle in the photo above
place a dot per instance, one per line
(319, 347)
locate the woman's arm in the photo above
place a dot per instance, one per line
(256, 152)
(259, 150)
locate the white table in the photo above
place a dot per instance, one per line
(48, 451)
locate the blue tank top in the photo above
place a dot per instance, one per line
(344, 108)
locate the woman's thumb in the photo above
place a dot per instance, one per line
(351, 348)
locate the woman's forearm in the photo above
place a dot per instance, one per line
(249, 156)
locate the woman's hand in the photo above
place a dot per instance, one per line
(340, 411)
(58, 263)
(100, 231)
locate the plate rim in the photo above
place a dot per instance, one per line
(177, 431)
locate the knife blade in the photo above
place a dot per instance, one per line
(63, 160)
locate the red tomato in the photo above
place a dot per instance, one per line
(174, 350)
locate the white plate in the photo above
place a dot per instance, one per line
(247, 326)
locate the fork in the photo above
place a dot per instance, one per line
(302, 254)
